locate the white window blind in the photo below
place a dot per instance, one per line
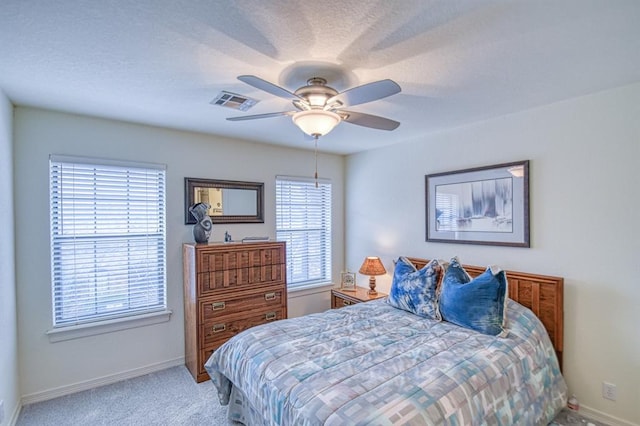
(303, 220)
(108, 254)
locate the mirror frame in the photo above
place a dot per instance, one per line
(191, 183)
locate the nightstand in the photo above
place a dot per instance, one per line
(340, 298)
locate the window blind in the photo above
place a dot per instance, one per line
(108, 256)
(303, 220)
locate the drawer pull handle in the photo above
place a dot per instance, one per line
(270, 296)
(219, 327)
(270, 316)
(346, 303)
(217, 306)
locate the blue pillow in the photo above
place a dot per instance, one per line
(414, 290)
(478, 304)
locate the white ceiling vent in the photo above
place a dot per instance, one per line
(234, 101)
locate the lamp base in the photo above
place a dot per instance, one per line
(372, 286)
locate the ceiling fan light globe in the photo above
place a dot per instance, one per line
(316, 121)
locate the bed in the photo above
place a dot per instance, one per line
(372, 363)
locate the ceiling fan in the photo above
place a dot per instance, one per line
(319, 108)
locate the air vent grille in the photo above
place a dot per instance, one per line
(233, 101)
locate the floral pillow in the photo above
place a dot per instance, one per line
(479, 303)
(414, 290)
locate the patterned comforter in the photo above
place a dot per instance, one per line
(371, 363)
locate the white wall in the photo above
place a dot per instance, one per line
(584, 197)
(9, 390)
(46, 366)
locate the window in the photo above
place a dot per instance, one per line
(303, 220)
(108, 251)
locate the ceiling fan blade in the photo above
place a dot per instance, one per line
(256, 116)
(261, 84)
(366, 93)
(368, 120)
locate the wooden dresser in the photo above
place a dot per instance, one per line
(228, 288)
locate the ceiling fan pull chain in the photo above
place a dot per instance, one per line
(315, 138)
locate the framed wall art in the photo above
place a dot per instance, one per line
(348, 281)
(484, 205)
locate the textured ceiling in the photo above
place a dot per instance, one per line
(161, 62)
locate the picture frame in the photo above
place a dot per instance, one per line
(483, 205)
(348, 281)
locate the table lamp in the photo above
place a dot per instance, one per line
(372, 266)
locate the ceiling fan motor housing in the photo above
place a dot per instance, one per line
(316, 92)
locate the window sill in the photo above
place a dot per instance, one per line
(108, 326)
(309, 289)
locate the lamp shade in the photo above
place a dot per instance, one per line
(316, 122)
(372, 266)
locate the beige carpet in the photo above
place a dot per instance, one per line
(168, 397)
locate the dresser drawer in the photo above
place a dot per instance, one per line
(240, 278)
(341, 298)
(339, 302)
(213, 334)
(239, 257)
(215, 307)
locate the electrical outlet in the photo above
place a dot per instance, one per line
(609, 391)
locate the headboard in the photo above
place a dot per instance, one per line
(541, 293)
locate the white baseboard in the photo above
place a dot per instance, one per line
(100, 381)
(16, 413)
(604, 417)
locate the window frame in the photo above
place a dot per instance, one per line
(150, 235)
(323, 234)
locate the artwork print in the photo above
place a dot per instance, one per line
(481, 206)
(485, 205)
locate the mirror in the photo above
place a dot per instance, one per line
(231, 201)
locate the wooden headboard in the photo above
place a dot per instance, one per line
(541, 293)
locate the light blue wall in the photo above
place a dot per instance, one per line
(48, 369)
(9, 390)
(584, 198)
